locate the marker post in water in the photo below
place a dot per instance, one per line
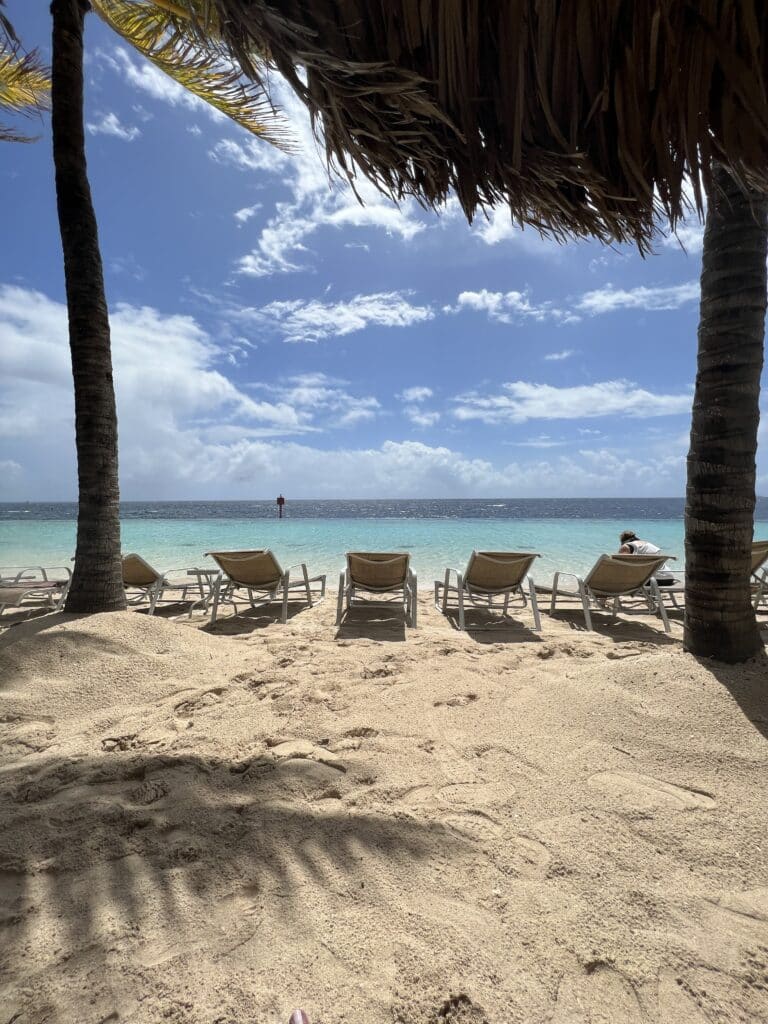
(280, 502)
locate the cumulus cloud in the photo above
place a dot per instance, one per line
(317, 393)
(510, 307)
(110, 124)
(312, 320)
(521, 401)
(415, 394)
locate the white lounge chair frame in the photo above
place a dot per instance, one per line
(19, 587)
(758, 577)
(153, 591)
(589, 593)
(406, 587)
(262, 593)
(478, 596)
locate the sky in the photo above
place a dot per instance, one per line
(272, 333)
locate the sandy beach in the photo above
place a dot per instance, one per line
(212, 825)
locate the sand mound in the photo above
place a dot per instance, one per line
(414, 828)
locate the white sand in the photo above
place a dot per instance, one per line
(378, 827)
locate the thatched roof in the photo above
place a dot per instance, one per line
(581, 115)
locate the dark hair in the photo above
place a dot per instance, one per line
(627, 535)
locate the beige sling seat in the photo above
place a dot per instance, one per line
(263, 579)
(378, 573)
(489, 574)
(758, 578)
(34, 585)
(611, 578)
(145, 585)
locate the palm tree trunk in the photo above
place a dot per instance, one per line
(719, 514)
(97, 577)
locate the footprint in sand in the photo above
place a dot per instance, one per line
(601, 995)
(644, 791)
(751, 904)
(474, 825)
(459, 701)
(188, 707)
(460, 794)
(522, 857)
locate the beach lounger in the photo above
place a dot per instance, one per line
(611, 578)
(489, 574)
(145, 585)
(262, 577)
(378, 573)
(758, 571)
(34, 585)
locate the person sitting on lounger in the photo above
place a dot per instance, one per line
(632, 545)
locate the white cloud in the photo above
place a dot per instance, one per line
(317, 393)
(415, 394)
(165, 390)
(313, 320)
(421, 417)
(510, 307)
(522, 401)
(155, 83)
(689, 236)
(243, 215)
(609, 299)
(110, 124)
(557, 357)
(315, 200)
(498, 227)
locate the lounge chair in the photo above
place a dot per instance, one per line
(490, 574)
(758, 578)
(378, 573)
(259, 572)
(19, 585)
(145, 585)
(611, 578)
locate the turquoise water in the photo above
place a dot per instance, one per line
(569, 533)
(571, 544)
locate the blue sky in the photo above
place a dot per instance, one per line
(271, 333)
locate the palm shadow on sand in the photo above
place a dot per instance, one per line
(128, 850)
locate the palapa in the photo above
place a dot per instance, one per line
(585, 117)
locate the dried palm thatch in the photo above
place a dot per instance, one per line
(586, 117)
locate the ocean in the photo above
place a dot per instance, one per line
(569, 533)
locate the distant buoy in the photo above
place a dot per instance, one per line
(280, 502)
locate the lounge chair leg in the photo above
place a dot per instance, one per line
(585, 605)
(216, 593)
(284, 613)
(534, 605)
(414, 588)
(506, 603)
(306, 583)
(655, 591)
(553, 602)
(154, 594)
(445, 590)
(460, 592)
(340, 600)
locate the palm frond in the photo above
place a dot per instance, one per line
(24, 81)
(585, 117)
(184, 43)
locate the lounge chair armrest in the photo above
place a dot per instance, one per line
(296, 565)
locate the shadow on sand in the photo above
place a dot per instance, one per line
(375, 623)
(132, 849)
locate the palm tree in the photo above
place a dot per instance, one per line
(186, 44)
(719, 516)
(585, 119)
